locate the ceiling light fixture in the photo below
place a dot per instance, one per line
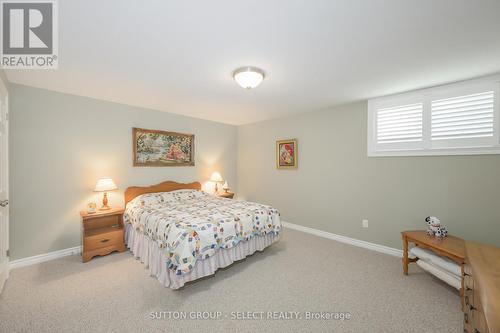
(248, 77)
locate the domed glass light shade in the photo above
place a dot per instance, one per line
(248, 77)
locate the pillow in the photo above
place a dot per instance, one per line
(166, 197)
(150, 199)
(185, 194)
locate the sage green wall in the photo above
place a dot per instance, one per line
(60, 144)
(337, 185)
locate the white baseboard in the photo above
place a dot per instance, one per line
(343, 239)
(44, 257)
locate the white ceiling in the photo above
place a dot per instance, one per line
(177, 56)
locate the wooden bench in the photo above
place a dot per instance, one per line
(450, 247)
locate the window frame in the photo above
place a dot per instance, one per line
(426, 147)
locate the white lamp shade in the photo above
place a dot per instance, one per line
(248, 77)
(105, 184)
(216, 177)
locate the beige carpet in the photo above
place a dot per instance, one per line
(301, 273)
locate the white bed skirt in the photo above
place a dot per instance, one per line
(153, 257)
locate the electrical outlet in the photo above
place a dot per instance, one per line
(365, 223)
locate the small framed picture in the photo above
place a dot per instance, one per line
(91, 207)
(286, 154)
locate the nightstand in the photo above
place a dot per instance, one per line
(228, 195)
(102, 232)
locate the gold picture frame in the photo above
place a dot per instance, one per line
(286, 154)
(158, 148)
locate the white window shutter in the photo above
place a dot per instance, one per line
(399, 124)
(463, 117)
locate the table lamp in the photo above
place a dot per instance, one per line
(104, 185)
(216, 178)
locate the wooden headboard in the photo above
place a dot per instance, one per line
(134, 191)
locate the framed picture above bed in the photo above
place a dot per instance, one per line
(286, 154)
(161, 148)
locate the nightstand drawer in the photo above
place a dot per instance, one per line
(103, 239)
(467, 269)
(468, 296)
(468, 282)
(479, 321)
(468, 328)
(101, 222)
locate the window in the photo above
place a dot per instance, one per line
(457, 119)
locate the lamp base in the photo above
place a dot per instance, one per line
(105, 202)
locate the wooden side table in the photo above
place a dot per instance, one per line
(450, 247)
(102, 233)
(228, 195)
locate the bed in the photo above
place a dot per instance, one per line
(181, 233)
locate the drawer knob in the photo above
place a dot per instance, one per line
(466, 318)
(104, 240)
(471, 308)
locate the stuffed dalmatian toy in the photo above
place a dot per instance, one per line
(434, 227)
(441, 232)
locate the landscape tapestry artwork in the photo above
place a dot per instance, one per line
(161, 148)
(286, 154)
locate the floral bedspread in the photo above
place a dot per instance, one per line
(191, 225)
